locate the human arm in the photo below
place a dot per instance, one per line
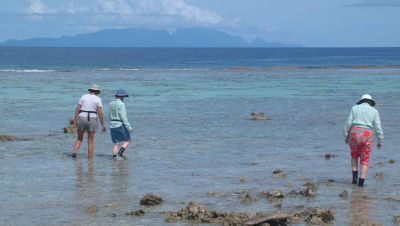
(101, 117)
(347, 127)
(378, 130)
(124, 118)
(77, 109)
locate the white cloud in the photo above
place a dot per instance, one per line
(133, 12)
(153, 9)
(38, 7)
(114, 6)
(189, 12)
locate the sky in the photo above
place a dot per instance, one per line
(310, 23)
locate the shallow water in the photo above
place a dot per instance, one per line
(192, 136)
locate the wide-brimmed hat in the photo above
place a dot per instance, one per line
(94, 87)
(121, 93)
(366, 97)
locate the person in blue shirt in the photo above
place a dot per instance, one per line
(119, 124)
(358, 131)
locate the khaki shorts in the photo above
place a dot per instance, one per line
(86, 125)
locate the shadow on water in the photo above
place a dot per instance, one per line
(360, 207)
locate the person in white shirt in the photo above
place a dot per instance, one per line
(358, 131)
(87, 111)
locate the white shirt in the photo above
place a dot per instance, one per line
(89, 102)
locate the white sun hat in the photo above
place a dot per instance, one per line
(366, 97)
(94, 87)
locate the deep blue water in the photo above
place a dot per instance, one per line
(179, 58)
(190, 109)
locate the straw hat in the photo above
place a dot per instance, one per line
(366, 97)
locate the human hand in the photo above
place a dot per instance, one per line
(103, 129)
(379, 146)
(130, 130)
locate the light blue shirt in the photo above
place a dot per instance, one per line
(366, 116)
(117, 114)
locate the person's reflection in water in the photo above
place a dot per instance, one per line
(91, 179)
(85, 181)
(360, 204)
(120, 178)
(79, 175)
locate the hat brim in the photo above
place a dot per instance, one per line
(126, 95)
(363, 100)
(92, 90)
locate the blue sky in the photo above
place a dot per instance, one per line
(313, 23)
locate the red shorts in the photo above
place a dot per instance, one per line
(361, 143)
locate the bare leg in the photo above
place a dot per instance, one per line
(125, 144)
(354, 164)
(115, 149)
(364, 170)
(91, 143)
(78, 141)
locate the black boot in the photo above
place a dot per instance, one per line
(361, 182)
(121, 151)
(355, 177)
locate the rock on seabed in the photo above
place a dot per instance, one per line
(258, 116)
(151, 200)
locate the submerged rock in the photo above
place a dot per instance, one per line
(344, 194)
(112, 205)
(139, 212)
(397, 219)
(279, 173)
(247, 197)
(197, 213)
(91, 210)
(258, 116)
(309, 190)
(317, 216)
(216, 194)
(273, 194)
(151, 200)
(379, 176)
(329, 156)
(391, 161)
(273, 219)
(392, 199)
(12, 138)
(243, 179)
(7, 138)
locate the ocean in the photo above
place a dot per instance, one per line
(190, 109)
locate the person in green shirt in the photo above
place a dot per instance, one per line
(363, 121)
(119, 124)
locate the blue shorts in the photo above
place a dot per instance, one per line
(120, 134)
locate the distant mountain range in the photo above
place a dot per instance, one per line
(139, 37)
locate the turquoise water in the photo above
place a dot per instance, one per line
(192, 136)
